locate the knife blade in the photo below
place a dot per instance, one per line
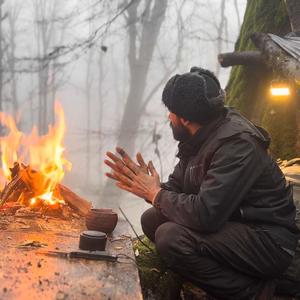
(93, 255)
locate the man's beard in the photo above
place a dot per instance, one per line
(180, 132)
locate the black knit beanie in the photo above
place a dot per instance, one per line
(195, 96)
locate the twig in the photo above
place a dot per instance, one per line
(124, 215)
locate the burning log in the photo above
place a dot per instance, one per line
(81, 205)
(35, 187)
(14, 188)
(29, 188)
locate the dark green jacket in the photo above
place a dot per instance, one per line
(225, 173)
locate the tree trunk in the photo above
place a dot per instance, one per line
(101, 78)
(293, 8)
(248, 85)
(220, 30)
(139, 59)
(12, 19)
(53, 88)
(88, 87)
(271, 55)
(236, 7)
(1, 59)
(132, 114)
(275, 57)
(45, 12)
(139, 62)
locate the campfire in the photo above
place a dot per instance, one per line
(33, 167)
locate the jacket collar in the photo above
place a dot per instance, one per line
(191, 146)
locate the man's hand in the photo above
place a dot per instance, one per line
(132, 177)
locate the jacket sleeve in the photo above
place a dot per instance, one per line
(175, 180)
(233, 169)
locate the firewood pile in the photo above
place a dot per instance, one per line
(23, 196)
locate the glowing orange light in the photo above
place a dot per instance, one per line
(280, 91)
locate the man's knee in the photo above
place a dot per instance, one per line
(149, 224)
(166, 238)
(147, 216)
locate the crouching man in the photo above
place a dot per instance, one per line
(225, 220)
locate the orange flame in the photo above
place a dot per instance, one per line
(43, 153)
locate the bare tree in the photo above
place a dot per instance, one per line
(101, 78)
(143, 30)
(2, 17)
(43, 35)
(141, 47)
(168, 68)
(236, 7)
(46, 21)
(56, 70)
(88, 89)
(220, 30)
(13, 16)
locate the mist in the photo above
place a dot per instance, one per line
(107, 62)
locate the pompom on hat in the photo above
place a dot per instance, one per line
(196, 96)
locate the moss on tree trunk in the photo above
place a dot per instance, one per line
(248, 86)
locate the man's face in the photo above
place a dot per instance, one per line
(180, 131)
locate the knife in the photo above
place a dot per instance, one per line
(93, 255)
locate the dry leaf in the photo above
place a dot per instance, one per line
(154, 270)
(25, 227)
(32, 244)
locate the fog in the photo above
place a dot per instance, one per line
(77, 52)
